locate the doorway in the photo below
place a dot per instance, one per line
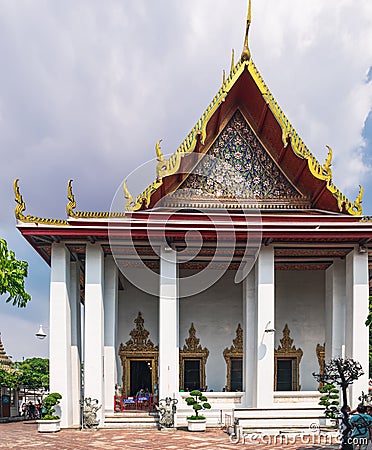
(140, 376)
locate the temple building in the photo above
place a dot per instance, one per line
(8, 396)
(239, 270)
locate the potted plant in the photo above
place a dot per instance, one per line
(49, 422)
(199, 402)
(330, 401)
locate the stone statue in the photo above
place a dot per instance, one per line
(167, 409)
(90, 408)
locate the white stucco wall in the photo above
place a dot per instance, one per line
(300, 302)
(131, 301)
(216, 313)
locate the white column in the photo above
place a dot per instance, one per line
(75, 341)
(265, 320)
(110, 301)
(94, 322)
(60, 331)
(335, 309)
(168, 325)
(357, 335)
(250, 340)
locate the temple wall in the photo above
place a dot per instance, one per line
(216, 313)
(131, 301)
(300, 302)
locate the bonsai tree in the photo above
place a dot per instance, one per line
(341, 372)
(49, 402)
(199, 402)
(329, 400)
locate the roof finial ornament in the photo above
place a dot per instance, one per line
(232, 61)
(128, 196)
(246, 54)
(71, 205)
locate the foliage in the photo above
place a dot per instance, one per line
(49, 402)
(34, 373)
(12, 276)
(369, 317)
(342, 372)
(199, 402)
(330, 400)
(9, 378)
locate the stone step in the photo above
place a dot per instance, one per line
(131, 419)
(260, 413)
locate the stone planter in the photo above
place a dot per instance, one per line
(48, 426)
(196, 425)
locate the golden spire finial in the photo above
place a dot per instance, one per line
(246, 54)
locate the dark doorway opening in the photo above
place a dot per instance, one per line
(191, 374)
(140, 376)
(236, 374)
(284, 375)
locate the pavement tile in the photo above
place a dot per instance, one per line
(24, 436)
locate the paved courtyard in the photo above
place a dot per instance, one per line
(24, 435)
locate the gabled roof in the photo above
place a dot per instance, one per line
(246, 89)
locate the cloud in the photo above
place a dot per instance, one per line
(88, 87)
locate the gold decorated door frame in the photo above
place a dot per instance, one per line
(138, 348)
(234, 352)
(287, 351)
(192, 350)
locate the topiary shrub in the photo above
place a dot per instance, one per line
(49, 402)
(199, 402)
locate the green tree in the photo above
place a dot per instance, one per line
(9, 378)
(12, 276)
(34, 373)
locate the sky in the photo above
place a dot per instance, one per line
(87, 88)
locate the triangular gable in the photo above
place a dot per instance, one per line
(245, 89)
(238, 171)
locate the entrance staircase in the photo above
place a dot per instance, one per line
(131, 419)
(282, 419)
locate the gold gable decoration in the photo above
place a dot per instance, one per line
(237, 171)
(138, 347)
(192, 349)
(235, 351)
(286, 350)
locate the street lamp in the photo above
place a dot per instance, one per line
(41, 334)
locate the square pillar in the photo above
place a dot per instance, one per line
(335, 309)
(357, 334)
(76, 355)
(110, 302)
(94, 326)
(249, 340)
(60, 331)
(265, 285)
(168, 325)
